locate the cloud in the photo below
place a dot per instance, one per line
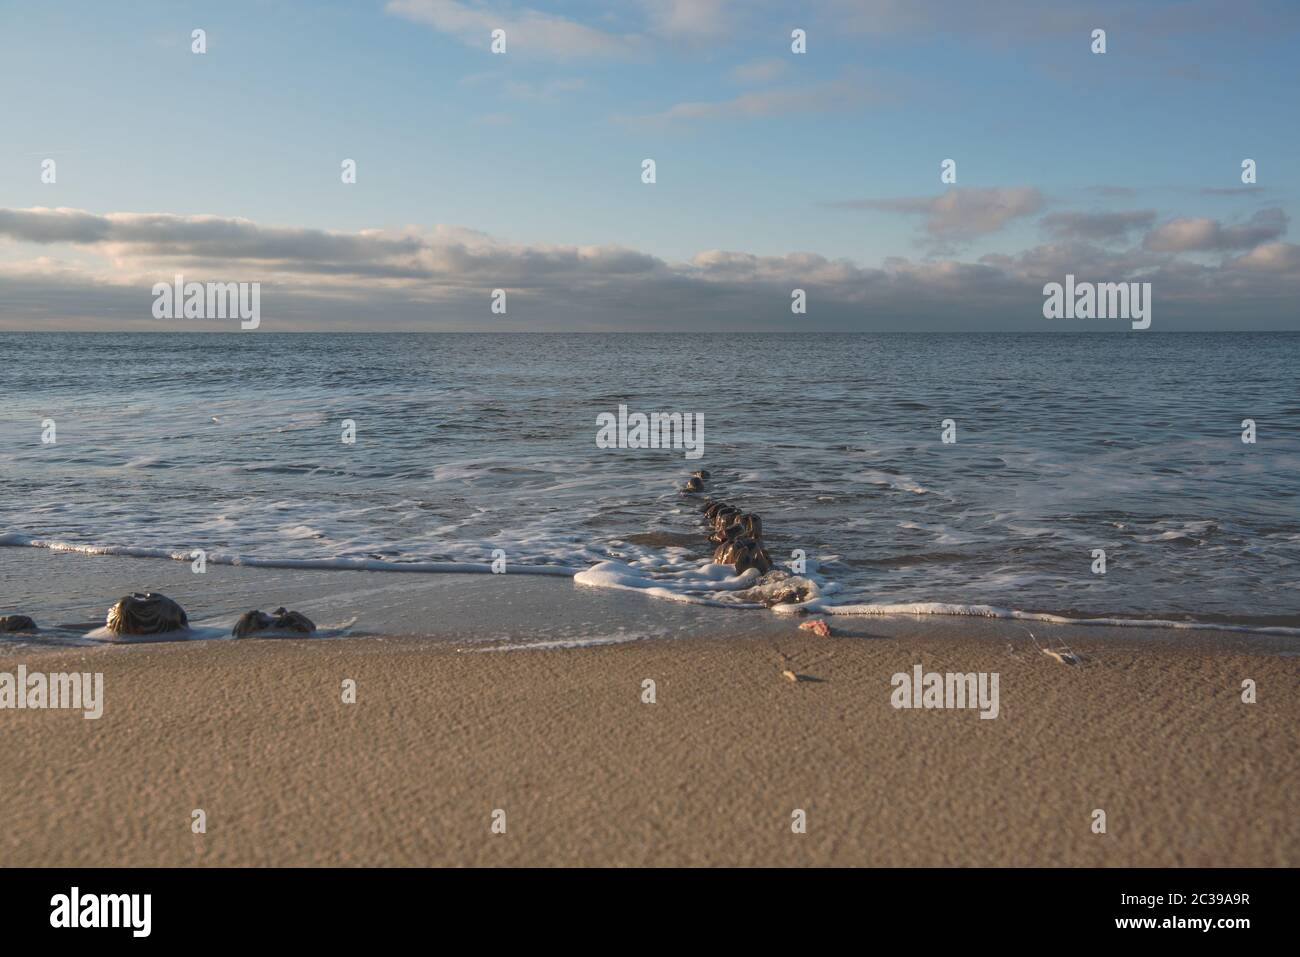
(40, 225)
(694, 20)
(546, 91)
(97, 271)
(1270, 257)
(841, 94)
(445, 253)
(527, 31)
(1232, 190)
(1097, 226)
(960, 213)
(1209, 235)
(763, 70)
(1033, 19)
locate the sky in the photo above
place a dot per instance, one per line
(774, 170)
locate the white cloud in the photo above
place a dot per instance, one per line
(527, 31)
(960, 212)
(696, 20)
(1097, 226)
(844, 93)
(761, 71)
(1209, 235)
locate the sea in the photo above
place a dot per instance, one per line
(1122, 476)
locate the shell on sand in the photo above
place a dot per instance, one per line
(145, 613)
(817, 627)
(10, 623)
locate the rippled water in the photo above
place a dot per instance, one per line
(469, 443)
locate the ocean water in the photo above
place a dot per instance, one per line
(466, 444)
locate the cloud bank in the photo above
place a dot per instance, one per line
(96, 271)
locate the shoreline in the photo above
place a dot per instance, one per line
(1150, 728)
(50, 584)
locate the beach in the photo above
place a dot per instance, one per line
(534, 704)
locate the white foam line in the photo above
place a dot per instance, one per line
(1012, 614)
(623, 577)
(558, 643)
(334, 564)
(619, 576)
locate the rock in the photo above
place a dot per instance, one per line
(722, 535)
(702, 475)
(791, 593)
(743, 553)
(726, 552)
(750, 554)
(145, 613)
(746, 525)
(252, 622)
(753, 526)
(724, 517)
(694, 484)
(10, 623)
(817, 627)
(293, 621)
(779, 587)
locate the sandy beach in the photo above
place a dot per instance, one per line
(449, 727)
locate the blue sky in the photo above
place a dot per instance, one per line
(760, 152)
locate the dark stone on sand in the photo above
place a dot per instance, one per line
(10, 623)
(145, 613)
(293, 621)
(255, 621)
(251, 621)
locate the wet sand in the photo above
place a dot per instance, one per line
(447, 728)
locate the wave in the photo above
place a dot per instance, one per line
(706, 584)
(219, 558)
